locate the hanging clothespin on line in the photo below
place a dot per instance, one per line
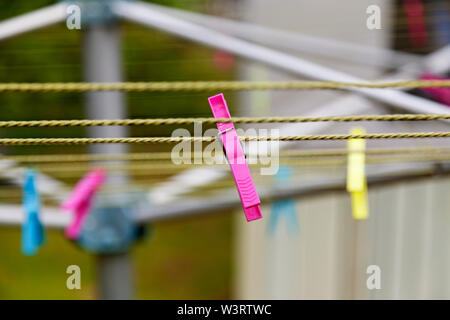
(32, 229)
(236, 158)
(80, 200)
(356, 176)
(441, 95)
(283, 208)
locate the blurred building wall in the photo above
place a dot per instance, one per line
(405, 236)
(327, 259)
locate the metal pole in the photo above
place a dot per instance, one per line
(145, 14)
(32, 21)
(12, 215)
(381, 57)
(102, 63)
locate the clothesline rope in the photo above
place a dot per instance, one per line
(148, 140)
(246, 120)
(136, 156)
(214, 85)
(169, 167)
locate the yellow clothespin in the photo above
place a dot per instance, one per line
(356, 175)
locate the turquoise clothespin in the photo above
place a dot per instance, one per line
(284, 208)
(32, 229)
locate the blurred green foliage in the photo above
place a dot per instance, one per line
(188, 259)
(182, 255)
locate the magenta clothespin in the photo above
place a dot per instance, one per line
(80, 200)
(441, 95)
(236, 159)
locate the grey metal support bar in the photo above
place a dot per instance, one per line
(102, 63)
(52, 218)
(33, 21)
(142, 13)
(230, 200)
(299, 42)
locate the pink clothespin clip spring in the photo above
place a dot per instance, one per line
(80, 200)
(441, 95)
(236, 159)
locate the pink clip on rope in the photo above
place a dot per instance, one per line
(80, 200)
(441, 95)
(236, 158)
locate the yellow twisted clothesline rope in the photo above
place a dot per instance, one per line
(168, 167)
(137, 156)
(182, 121)
(214, 85)
(146, 140)
(139, 173)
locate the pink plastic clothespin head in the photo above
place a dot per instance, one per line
(441, 95)
(79, 201)
(236, 158)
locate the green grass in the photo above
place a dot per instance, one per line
(187, 259)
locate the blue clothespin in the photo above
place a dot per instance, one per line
(32, 229)
(283, 208)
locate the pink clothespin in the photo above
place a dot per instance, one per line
(236, 159)
(441, 95)
(80, 200)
